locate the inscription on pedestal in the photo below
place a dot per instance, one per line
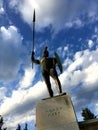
(53, 111)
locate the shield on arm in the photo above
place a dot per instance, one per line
(58, 62)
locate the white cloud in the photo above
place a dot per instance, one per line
(96, 107)
(20, 107)
(12, 124)
(54, 12)
(1, 7)
(90, 43)
(2, 92)
(78, 55)
(91, 73)
(11, 34)
(1, 10)
(75, 64)
(65, 48)
(11, 45)
(75, 23)
(27, 79)
(83, 69)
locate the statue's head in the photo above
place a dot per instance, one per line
(45, 52)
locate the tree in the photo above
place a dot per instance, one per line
(26, 126)
(1, 123)
(19, 127)
(87, 114)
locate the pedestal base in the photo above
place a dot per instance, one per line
(56, 113)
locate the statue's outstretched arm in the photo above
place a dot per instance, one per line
(34, 60)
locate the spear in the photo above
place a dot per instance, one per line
(33, 35)
(33, 30)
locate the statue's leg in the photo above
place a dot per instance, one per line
(58, 85)
(54, 75)
(46, 78)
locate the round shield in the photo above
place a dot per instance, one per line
(58, 62)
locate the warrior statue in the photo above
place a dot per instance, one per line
(48, 65)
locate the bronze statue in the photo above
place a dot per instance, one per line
(48, 65)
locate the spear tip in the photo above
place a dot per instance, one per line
(34, 16)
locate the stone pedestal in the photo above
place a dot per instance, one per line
(56, 113)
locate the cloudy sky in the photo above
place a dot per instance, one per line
(69, 27)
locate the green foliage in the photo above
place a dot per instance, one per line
(26, 126)
(1, 123)
(19, 127)
(87, 114)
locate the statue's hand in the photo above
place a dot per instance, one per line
(32, 56)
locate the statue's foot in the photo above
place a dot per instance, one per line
(62, 93)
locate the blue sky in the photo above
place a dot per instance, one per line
(68, 27)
